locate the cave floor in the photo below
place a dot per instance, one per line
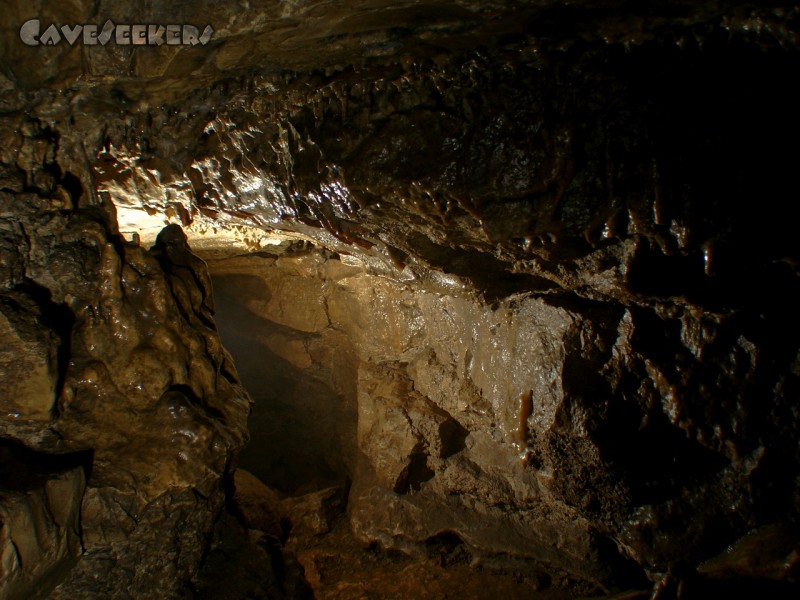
(338, 567)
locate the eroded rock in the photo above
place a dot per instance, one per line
(40, 519)
(257, 505)
(403, 434)
(29, 361)
(524, 467)
(111, 350)
(314, 513)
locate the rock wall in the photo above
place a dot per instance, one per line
(112, 364)
(557, 437)
(40, 538)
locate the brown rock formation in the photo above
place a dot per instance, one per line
(111, 353)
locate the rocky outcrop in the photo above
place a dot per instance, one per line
(110, 352)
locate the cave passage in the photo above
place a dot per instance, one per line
(297, 417)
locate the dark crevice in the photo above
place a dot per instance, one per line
(74, 187)
(491, 276)
(59, 319)
(448, 549)
(454, 437)
(23, 469)
(625, 573)
(415, 474)
(657, 460)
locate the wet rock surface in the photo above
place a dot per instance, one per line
(521, 470)
(40, 533)
(548, 321)
(112, 354)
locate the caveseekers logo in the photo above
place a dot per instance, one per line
(123, 35)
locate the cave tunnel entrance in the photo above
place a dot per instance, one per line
(302, 426)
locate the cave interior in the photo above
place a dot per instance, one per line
(391, 299)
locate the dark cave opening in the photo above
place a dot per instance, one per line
(298, 419)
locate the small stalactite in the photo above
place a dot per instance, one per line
(519, 437)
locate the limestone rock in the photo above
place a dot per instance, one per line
(40, 529)
(403, 433)
(313, 514)
(768, 553)
(111, 350)
(29, 361)
(556, 312)
(448, 446)
(257, 505)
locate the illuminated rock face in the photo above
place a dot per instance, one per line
(539, 432)
(551, 308)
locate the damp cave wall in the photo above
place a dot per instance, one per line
(600, 196)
